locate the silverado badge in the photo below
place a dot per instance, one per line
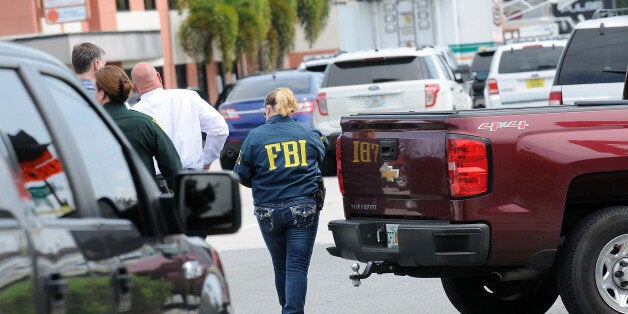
(389, 173)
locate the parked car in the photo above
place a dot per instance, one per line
(593, 64)
(318, 63)
(244, 106)
(399, 79)
(479, 71)
(521, 74)
(223, 94)
(81, 218)
(315, 65)
(462, 72)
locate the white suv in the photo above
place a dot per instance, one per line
(594, 62)
(521, 74)
(395, 79)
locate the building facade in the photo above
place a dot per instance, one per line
(131, 31)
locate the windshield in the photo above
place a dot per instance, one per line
(258, 88)
(595, 58)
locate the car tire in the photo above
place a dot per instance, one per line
(590, 263)
(485, 295)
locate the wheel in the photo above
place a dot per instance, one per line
(593, 264)
(483, 295)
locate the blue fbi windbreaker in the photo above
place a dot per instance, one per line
(279, 160)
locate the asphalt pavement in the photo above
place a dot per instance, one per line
(248, 268)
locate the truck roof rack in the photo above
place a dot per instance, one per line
(600, 13)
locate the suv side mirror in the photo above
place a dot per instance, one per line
(208, 202)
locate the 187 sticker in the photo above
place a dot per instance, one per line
(493, 126)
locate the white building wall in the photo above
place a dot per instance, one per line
(138, 20)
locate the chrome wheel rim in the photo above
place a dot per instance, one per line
(611, 273)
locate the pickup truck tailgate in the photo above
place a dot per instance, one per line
(397, 165)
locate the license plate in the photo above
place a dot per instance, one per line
(374, 102)
(393, 238)
(535, 83)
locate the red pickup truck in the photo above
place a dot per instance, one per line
(510, 208)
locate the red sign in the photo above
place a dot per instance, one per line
(52, 16)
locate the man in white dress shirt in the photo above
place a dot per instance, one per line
(183, 115)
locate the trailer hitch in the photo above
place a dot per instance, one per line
(371, 267)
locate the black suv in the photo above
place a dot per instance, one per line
(83, 226)
(480, 66)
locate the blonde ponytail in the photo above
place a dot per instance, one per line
(282, 101)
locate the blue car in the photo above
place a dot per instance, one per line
(244, 106)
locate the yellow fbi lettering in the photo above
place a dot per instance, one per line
(293, 152)
(365, 151)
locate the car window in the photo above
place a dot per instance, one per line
(108, 170)
(481, 64)
(318, 79)
(593, 58)
(529, 59)
(482, 61)
(316, 67)
(357, 72)
(431, 67)
(257, 88)
(446, 68)
(43, 172)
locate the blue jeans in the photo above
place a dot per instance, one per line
(289, 229)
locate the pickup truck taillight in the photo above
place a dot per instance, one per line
(341, 180)
(321, 101)
(431, 92)
(492, 87)
(556, 96)
(467, 166)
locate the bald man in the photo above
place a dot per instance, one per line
(183, 115)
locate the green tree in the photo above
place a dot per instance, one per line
(313, 17)
(281, 35)
(263, 28)
(209, 23)
(253, 25)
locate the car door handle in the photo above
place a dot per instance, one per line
(56, 290)
(122, 283)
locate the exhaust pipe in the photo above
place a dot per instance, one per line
(516, 274)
